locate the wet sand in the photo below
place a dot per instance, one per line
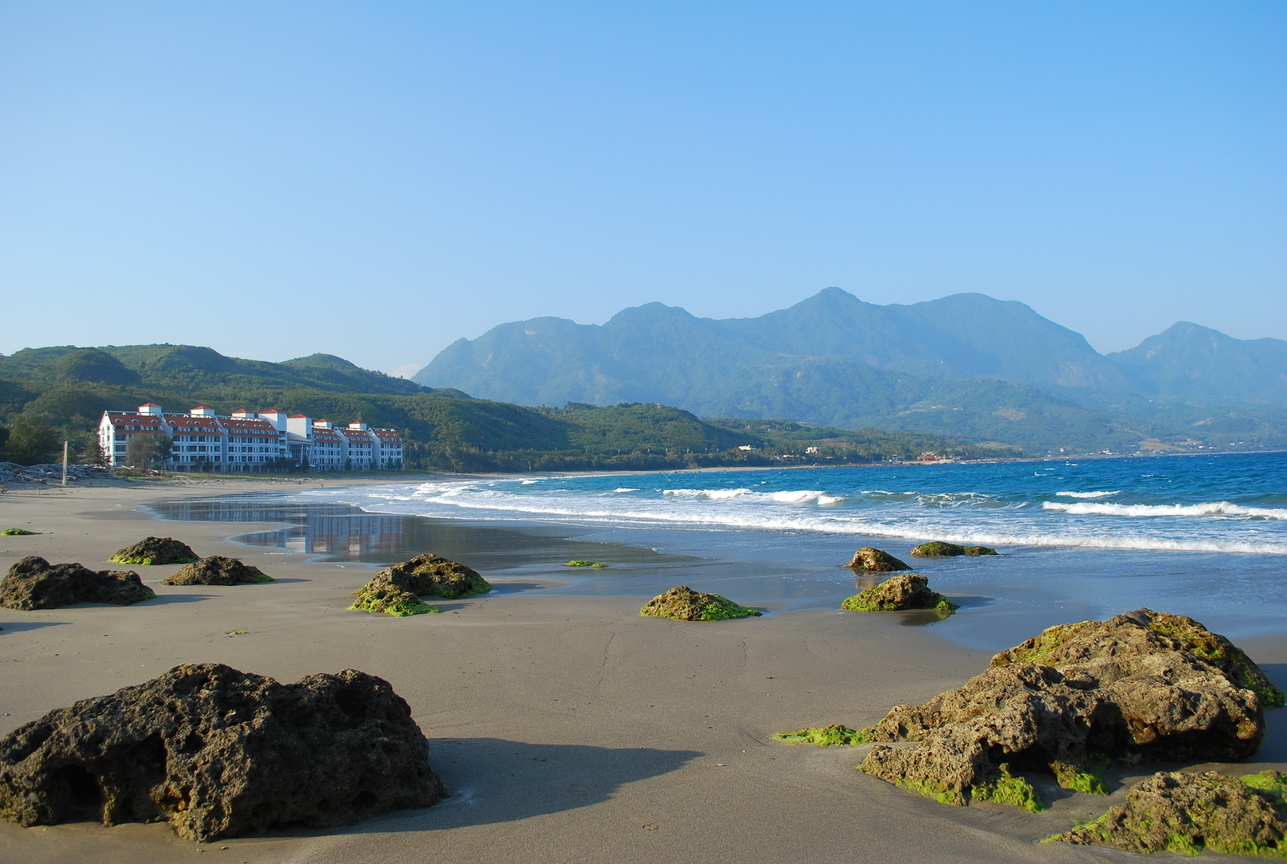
(568, 728)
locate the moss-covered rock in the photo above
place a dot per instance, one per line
(1190, 813)
(33, 583)
(835, 735)
(595, 564)
(876, 561)
(217, 570)
(939, 549)
(684, 604)
(1073, 699)
(397, 590)
(899, 593)
(155, 550)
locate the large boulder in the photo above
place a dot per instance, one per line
(34, 583)
(1189, 813)
(155, 550)
(1143, 685)
(899, 593)
(218, 753)
(876, 560)
(217, 570)
(397, 590)
(940, 549)
(682, 603)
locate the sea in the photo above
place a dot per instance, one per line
(1204, 536)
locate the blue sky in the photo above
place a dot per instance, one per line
(378, 180)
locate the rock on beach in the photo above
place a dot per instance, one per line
(155, 550)
(876, 561)
(33, 583)
(899, 593)
(397, 590)
(217, 570)
(682, 603)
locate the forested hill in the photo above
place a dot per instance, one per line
(69, 388)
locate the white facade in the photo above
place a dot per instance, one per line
(247, 442)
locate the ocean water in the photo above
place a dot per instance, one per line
(1204, 536)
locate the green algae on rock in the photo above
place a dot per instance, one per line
(939, 549)
(217, 570)
(155, 550)
(835, 735)
(1190, 813)
(1074, 699)
(594, 564)
(397, 590)
(875, 561)
(899, 593)
(1008, 789)
(684, 604)
(17, 532)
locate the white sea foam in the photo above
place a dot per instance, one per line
(712, 494)
(625, 489)
(1213, 508)
(1088, 494)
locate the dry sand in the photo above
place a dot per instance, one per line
(568, 728)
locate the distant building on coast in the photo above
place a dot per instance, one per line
(252, 443)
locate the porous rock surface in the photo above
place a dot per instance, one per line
(33, 583)
(155, 550)
(1143, 685)
(1188, 813)
(217, 570)
(396, 589)
(939, 549)
(876, 560)
(219, 753)
(682, 603)
(896, 593)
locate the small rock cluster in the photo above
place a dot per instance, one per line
(899, 593)
(397, 590)
(33, 583)
(876, 561)
(218, 753)
(217, 570)
(155, 550)
(939, 549)
(682, 603)
(12, 472)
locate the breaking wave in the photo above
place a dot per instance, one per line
(1217, 508)
(1088, 494)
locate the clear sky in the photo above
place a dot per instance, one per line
(375, 180)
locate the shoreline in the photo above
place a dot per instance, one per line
(567, 726)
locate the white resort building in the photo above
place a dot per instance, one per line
(246, 442)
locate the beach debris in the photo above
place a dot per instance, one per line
(899, 593)
(1143, 685)
(156, 550)
(11, 472)
(397, 590)
(219, 753)
(939, 549)
(876, 560)
(1190, 813)
(33, 583)
(17, 532)
(835, 735)
(594, 564)
(217, 570)
(684, 604)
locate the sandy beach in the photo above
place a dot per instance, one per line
(567, 728)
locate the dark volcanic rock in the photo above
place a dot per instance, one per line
(1144, 685)
(1188, 813)
(33, 583)
(217, 570)
(218, 753)
(898, 593)
(155, 550)
(939, 549)
(396, 590)
(875, 560)
(682, 603)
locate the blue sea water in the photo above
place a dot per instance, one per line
(1204, 536)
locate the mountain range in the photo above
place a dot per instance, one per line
(966, 365)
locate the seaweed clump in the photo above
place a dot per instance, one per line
(217, 570)
(155, 550)
(939, 549)
(900, 593)
(835, 735)
(17, 532)
(595, 564)
(33, 583)
(876, 561)
(1189, 813)
(684, 604)
(397, 590)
